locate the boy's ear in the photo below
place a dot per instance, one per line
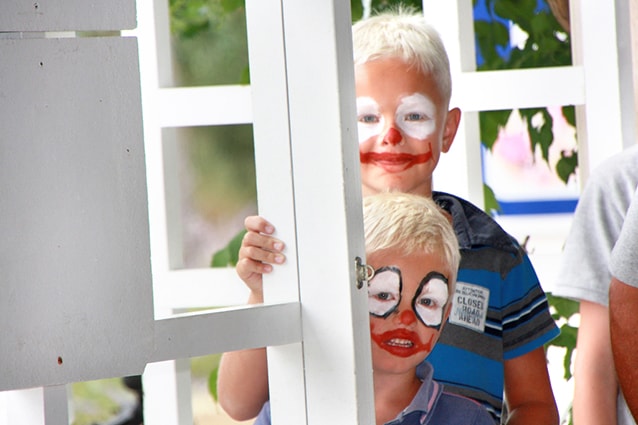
(452, 121)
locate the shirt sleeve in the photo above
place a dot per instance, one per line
(598, 218)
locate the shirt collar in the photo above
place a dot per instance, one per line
(473, 227)
(425, 398)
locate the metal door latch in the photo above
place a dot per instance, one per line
(363, 272)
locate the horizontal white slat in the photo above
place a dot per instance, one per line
(195, 335)
(199, 106)
(521, 88)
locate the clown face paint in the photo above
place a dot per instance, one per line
(414, 117)
(369, 118)
(395, 94)
(403, 343)
(408, 305)
(385, 293)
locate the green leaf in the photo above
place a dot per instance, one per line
(566, 165)
(489, 35)
(491, 203)
(539, 136)
(565, 307)
(230, 6)
(245, 76)
(491, 122)
(356, 6)
(566, 339)
(519, 11)
(567, 363)
(228, 255)
(356, 9)
(569, 112)
(212, 382)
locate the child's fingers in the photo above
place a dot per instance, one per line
(261, 255)
(260, 243)
(255, 223)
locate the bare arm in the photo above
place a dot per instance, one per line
(528, 391)
(623, 308)
(242, 382)
(596, 387)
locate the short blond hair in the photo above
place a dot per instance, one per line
(404, 34)
(410, 224)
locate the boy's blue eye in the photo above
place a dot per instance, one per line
(415, 116)
(368, 119)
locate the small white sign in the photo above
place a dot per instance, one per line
(469, 308)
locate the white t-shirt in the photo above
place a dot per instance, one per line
(598, 220)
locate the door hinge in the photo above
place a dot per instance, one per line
(363, 272)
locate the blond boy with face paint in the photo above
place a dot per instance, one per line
(413, 251)
(492, 349)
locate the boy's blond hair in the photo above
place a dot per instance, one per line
(411, 224)
(404, 34)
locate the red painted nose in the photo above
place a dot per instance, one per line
(393, 136)
(407, 317)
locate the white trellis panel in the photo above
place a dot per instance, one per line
(599, 84)
(279, 81)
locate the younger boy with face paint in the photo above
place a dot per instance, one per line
(493, 346)
(413, 251)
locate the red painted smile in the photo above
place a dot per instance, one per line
(401, 342)
(394, 162)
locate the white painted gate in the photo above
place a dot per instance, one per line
(72, 121)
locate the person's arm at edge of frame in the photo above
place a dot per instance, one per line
(242, 381)
(623, 307)
(596, 387)
(528, 390)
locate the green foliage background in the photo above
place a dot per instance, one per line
(547, 45)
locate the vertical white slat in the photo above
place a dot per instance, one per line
(327, 194)
(459, 171)
(594, 46)
(22, 407)
(160, 147)
(275, 193)
(167, 385)
(167, 393)
(624, 43)
(56, 407)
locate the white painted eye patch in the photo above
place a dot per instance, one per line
(385, 291)
(415, 117)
